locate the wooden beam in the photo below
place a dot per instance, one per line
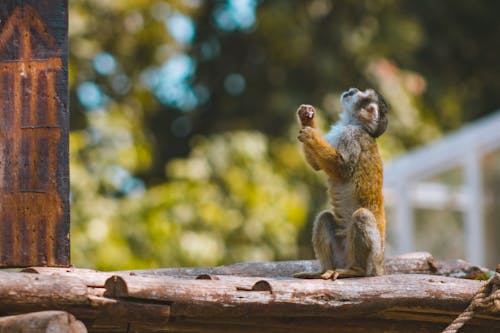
(25, 292)
(34, 122)
(255, 297)
(42, 322)
(409, 263)
(252, 303)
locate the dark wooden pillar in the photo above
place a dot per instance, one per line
(34, 121)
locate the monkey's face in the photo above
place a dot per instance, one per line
(367, 108)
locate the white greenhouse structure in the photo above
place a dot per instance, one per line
(445, 197)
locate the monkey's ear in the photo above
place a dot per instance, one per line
(379, 121)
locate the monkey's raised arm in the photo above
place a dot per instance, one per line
(306, 116)
(319, 153)
(311, 160)
(325, 155)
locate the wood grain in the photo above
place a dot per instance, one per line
(34, 122)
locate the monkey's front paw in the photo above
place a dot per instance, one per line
(306, 113)
(306, 134)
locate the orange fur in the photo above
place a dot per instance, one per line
(368, 178)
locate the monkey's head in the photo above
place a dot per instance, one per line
(366, 108)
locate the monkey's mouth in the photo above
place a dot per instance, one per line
(349, 93)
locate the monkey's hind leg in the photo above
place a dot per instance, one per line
(329, 247)
(364, 246)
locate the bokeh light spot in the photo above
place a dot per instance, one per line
(104, 63)
(181, 28)
(236, 15)
(171, 82)
(235, 84)
(90, 95)
(181, 127)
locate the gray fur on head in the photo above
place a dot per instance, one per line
(365, 108)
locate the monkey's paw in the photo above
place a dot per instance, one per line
(325, 275)
(306, 113)
(330, 275)
(306, 134)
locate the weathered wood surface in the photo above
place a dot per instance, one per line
(254, 302)
(208, 302)
(415, 263)
(42, 322)
(25, 292)
(34, 123)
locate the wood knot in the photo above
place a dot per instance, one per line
(207, 277)
(115, 286)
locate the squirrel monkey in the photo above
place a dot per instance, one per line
(349, 239)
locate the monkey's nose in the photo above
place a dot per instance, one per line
(348, 93)
(352, 91)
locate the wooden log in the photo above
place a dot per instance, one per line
(234, 303)
(23, 293)
(415, 262)
(42, 322)
(89, 277)
(28, 291)
(410, 263)
(124, 315)
(461, 269)
(414, 298)
(307, 325)
(182, 299)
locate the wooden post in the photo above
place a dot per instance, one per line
(34, 121)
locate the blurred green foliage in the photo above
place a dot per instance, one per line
(228, 201)
(183, 147)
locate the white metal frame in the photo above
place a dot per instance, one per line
(404, 187)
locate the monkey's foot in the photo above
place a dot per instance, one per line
(306, 113)
(326, 275)
(330, 275)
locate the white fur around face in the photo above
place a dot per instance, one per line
(346, 117)
(368, 117)
(336, 130)
(347, 104)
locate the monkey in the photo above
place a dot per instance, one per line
(348, 240)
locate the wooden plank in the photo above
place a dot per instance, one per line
(34, 122)
(131, 303)
(24, 293)
(409, 263)
(415, 262)
(42, 322)
(391, 302)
